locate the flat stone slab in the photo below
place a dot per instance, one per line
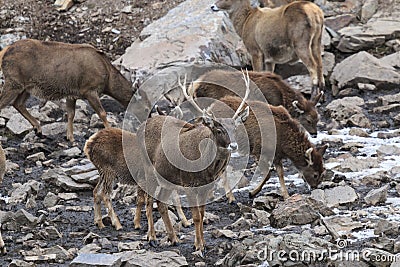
(96, 260)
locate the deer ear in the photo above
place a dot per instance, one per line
(243, 115)
(297, 107)
(208, 121)
(322, 149)
(177, 112)
(308, 156)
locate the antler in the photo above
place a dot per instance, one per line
(189, 98)
(246, 79)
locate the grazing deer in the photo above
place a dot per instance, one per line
(2, 172)
(146, 153)
(53, 70)
(290, 142)
(280, 35)
(217, 84)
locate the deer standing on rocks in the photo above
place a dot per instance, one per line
(2, 172)
(289, 142)
(217, 84)
(280, 35)
(54, 70)
(148, 152)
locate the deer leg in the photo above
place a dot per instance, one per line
(196, 214)
(178, 206)
(71, 104)
(270, 66)
(94, 101)
(316, 52)
(151, 232)
(8, 95)
(279, 170)
(228, 189)
(97, 202)
(257, 60)
(202, 211)
(2, 246)
(163, 210)
(19, 104)
(260, 185)
(305, 53)
(139, 204)
(107, 202)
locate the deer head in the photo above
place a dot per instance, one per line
(314, 171)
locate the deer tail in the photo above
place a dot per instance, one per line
(88, 149)
(2, 52)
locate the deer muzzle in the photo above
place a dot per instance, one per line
(233, 147)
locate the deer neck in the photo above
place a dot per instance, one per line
(294, 146)
(120, 88)
(240, 15)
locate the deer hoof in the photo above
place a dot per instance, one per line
(199, 252)
(3, 251)
(186, 224)
(153, 243)
(233, 202)
(252, 195)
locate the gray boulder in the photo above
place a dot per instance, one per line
(364, 68)
(373, 34)
(191, 32)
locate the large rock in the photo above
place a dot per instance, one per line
(348, 112)
(191, 32)
(58, 177)
(298, 210)
(353, 164)
(376, 196)
(392, 60)
(18, 124)
(335, 196)
(373, 34)
(364, 68)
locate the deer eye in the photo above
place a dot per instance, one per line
(219, 131)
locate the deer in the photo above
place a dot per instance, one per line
(289, 142)
(280, 35)
(55, 70)
(2, 172)
(219, 83)
(146, 155)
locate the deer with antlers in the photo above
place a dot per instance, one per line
(147, 162)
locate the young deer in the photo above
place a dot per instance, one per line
(53, 70)
(216, 84)
(280, 35)
(289, 142)
(148, 151)
(2, 172)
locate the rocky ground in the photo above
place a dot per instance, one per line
(46, 205)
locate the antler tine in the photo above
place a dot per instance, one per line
(246, 79)
(189, 98)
